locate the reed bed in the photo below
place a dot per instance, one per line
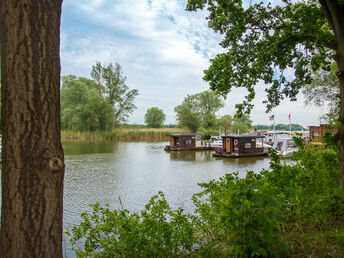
(137, 134)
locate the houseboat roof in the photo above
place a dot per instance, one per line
(241, 136)
(189, 134)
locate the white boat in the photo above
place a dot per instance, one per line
(285, 146)
(216, 142)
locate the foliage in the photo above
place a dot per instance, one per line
(241, 124)
(195, 109)
(82, 107)
(111, 83)
(225, 123)
(324, 89)
(209, 126)
(280, 44)
(268, 42)
(239, 127)
(154, 117)
(158, 231)
(308, 189)
(241, 217)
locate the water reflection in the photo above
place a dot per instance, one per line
(191, 155)
(72, 147)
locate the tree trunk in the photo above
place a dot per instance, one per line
(338, 17)
(32, 154)
(340, 133)
(334, 13)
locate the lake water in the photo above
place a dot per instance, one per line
(104, 171)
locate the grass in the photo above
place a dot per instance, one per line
(327, 242)
(125, 134)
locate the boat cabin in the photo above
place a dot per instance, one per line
(185, 142)
(241, 146)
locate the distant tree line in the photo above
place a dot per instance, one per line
(294, 127)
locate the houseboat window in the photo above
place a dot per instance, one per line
(248, 145)
(198, 137)
(259, 143)
(188, 141)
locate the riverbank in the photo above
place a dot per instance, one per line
(137, 134)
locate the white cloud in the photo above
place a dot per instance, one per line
(162, 48)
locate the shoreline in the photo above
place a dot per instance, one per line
(151, 134)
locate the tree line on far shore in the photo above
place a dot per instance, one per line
(105, 102)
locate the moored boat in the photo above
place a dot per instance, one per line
(285, 146)
(241, 146)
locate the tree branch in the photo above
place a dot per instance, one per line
(327, 13)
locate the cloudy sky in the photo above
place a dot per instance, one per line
(163, 51)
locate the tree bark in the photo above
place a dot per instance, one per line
(334, 13)
(341, 129)
(32, 154)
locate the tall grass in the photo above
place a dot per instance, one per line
(124, 134)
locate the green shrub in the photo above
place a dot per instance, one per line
(308, 188)
(240, 217)
(157, 231)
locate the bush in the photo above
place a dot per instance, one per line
(308, 189)
(157, 231)
(240, 217)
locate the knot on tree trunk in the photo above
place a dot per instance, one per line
(55, 164)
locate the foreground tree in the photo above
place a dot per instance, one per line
(154, 117)
(111, 83)
(266, 42)
(196, 108)
(32, 154)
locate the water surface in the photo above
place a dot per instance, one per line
(104, 171)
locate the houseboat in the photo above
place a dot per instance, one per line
(241, 146)
(186, 142)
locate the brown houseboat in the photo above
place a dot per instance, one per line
(186, 142)
(241, 146)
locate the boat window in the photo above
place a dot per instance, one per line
(188, 141)
(259, 143)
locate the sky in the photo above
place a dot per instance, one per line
(163, 51)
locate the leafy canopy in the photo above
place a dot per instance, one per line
(324, 90)
(198, 108)
(111, 83)
(82, 107)
(278, 44)
(154, 117)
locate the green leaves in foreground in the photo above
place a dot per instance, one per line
(240, 217)
(156, 231)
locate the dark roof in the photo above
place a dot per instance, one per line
(190, 134)
(242, 136)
